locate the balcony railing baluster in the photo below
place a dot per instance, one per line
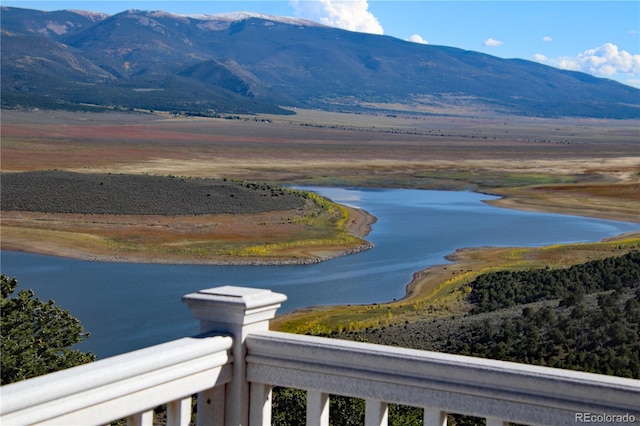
(376, 413)
(260, 405)
(434, 417)
(317, 408)
(141, 419)
(492, 421)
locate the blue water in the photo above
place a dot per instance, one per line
(129, 306)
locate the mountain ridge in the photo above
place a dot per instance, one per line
(252, 63)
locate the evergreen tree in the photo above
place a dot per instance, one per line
(37, 336)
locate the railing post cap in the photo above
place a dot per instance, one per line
(243, 297)
(233, 304)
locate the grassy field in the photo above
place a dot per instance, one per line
(579, 166)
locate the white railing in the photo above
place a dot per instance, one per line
(440, 383)
(236, 362)
(125, 386)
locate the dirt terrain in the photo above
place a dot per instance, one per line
(576, 166)
(168, 219)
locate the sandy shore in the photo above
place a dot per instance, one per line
(619, 202)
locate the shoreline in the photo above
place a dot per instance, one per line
(359, 225)
(463, 260)
(439, 290)
(425, 282)
(515, 202)
(430, 290)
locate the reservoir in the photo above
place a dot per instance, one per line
(128, 306)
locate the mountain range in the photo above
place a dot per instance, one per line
(251, 63)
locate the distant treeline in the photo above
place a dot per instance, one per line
(175, 95)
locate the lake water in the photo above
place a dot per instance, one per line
(130, 306)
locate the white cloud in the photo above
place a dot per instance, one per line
(603, 61)
(635, 82)
(352, 15)
(491, 42)
(417, 38)
(547, 39)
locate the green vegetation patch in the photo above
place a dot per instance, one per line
(37, 336)
(493, 179)
(504, 289)
(56, 191)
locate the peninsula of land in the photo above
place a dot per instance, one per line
(168, 219)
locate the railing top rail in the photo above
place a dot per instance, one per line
(79, 387)
(421, 378)
(315, 348)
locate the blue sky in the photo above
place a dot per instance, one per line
(598, 37)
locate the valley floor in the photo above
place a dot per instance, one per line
(575, 166)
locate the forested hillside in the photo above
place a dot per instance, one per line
(509, 288)
(586, 318)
